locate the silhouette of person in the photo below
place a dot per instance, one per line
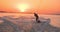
(37, 17)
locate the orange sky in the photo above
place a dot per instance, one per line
(43, 6)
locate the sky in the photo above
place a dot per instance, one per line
(39, 6)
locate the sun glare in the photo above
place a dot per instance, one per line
(22, 7)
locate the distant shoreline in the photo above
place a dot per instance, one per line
(31, 13)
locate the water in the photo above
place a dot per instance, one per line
(26, 22)
(55, 19)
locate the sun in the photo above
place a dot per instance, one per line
(23, 7)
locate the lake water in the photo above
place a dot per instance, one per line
(54, 19)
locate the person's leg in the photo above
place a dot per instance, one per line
(37, 20)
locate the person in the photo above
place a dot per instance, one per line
(36, 15)
(37, 18)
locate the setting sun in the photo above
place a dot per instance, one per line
(22, 7)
